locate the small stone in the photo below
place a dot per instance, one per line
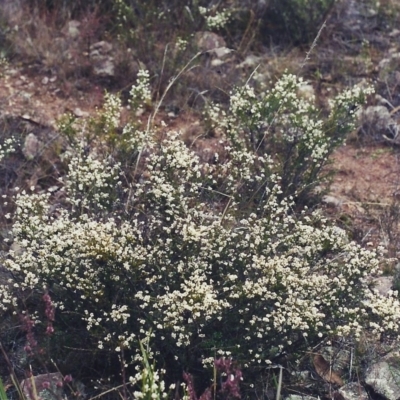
(95, 54)
(31, 147)
(17, 249)
(45, 80)
(353, 391)
(104, 67)
(217, 62)
(376, 119)
(250, 61)
(332, 201)
(221, 52)
(300, 397)
(80, 114)
(102, 47)
(383, 284)
(207, 41)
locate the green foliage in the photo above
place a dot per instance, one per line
(3, 394)
(296, 20)
(152, 387)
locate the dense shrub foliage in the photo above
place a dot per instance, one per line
(296, 20)
(206, 258)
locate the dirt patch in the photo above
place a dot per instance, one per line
(44, 98)
(366, 174)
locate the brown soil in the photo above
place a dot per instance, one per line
(25, 93)
(365, 175)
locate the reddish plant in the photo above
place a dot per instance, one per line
(230, 388)
(50, 313)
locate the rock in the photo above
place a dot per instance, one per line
(221, 52)
(377, 122)
(79, 113)
(300, 397)
(104, 67)
(383, 284)
(32, 146)
(217, 62)
(332, 201)
(378, 116)
(45, 80)
(103, 63)
(251, 61)
(353, 391)
(207, 41)
(338, 357)
(17, 249)
(46, 386)
(384, 377)
(102, 47)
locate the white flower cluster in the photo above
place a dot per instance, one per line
(153, 387)
(181, 44)
(90, 181)
(148, 377)
(111, 112)
(140, 94)
(344, 106)
(135, 138)
(215, 19)
(7, 147)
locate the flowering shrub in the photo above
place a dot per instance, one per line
(289, 128)
(7, 147)
(209, 257)
(140, 94)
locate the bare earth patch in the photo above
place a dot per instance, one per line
(365, 174)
